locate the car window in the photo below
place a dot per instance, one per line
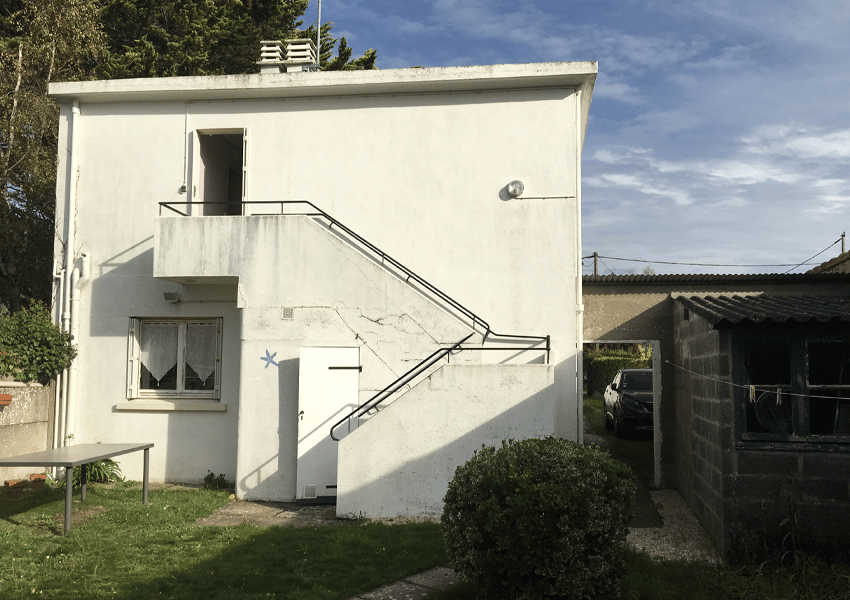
(637, 381)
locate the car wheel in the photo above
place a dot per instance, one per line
(608, 424)
(619, 428)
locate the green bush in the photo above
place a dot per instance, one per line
(32, 348)
(600, 367)
(539, 518)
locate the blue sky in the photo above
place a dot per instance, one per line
(719, 130)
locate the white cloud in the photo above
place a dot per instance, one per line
(783, 140)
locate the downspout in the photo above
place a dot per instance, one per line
(70, 240)
(79, 280)
(579, 300)
(58, 277)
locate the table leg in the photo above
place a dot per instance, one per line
(84, 472)
(145, 477)
(69, 478)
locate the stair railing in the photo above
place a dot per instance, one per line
(437, 355)
(315, 211)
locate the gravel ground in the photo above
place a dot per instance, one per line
(681, 537)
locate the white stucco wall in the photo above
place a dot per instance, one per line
(415, 161)
(401, 461)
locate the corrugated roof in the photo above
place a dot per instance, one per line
(764, 307)
(687, 279)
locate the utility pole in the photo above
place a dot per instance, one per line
(842, 242)
(319, 38)
(596, 258)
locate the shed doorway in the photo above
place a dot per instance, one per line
(641, 449)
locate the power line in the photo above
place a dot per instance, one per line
(663, 262)
(818, 254)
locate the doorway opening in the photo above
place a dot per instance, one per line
(626, 415)
(219, 177)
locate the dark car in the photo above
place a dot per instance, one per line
(628, 402)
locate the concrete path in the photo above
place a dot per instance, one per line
(415, 587)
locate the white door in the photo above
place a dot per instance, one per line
(328, 382)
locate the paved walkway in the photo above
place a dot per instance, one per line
(413, 588)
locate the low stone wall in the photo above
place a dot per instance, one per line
(26, 425)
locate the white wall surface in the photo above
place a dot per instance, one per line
(420, 174)
(401, 461)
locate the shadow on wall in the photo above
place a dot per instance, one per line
(116, 283)
(401, 462)
(276, 474)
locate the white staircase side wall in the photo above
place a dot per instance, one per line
(338, 297)
(400, 462)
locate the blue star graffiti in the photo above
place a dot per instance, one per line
(269, 359)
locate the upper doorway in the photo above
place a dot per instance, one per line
(219, 174)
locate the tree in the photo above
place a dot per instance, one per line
(68, 40)
(156, 38)
(40, 41)
(342, 61)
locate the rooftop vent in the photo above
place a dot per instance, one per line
(288, 56)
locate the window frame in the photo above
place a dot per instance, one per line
(798, 388)
(134, 366)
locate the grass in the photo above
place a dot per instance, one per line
(636, 451)
(127, 550)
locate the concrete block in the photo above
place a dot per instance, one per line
(767, 463)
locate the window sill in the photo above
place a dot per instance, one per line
(171, 406)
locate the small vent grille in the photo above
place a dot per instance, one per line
(310, 491)
(287, 313)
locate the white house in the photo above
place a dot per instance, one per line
(245, 259)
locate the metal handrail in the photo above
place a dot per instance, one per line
(476, 320)
(434, 357)
(396, 385)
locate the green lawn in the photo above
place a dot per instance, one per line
(128, 550)
(636, 451)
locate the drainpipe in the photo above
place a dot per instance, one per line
(79, 280)
(58, 277)
(70, 240)
(579, 300)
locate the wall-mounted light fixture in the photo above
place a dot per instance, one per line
(515, 188)
(172, 297)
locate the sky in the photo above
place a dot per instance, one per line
(719, 130)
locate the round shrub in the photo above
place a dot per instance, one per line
(32, 348)
(539, 518)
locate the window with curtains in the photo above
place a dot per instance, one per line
(174, 358)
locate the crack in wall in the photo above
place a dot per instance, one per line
(356, 335)
(380, 321)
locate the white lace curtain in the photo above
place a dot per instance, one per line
(200, 348)
(159, 348)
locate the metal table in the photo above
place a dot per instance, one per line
(79, 456)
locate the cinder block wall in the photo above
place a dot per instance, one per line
(771, 494)
(26, 425)
(704, 439)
